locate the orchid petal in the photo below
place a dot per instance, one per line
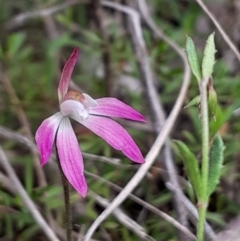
(66, 75)
(90, 102)
(115, 135)
(45, 136)
(70, 157)
(113, 107)
(73, 108)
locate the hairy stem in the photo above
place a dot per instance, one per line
(68, 216)
(203, 201)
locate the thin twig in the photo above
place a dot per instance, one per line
(112, 161)
(156, 147)
(14, 136)
(24, 122)
(118, 213)
(236, 112)
(192, 210)
(123, 218)
(231, 232)
(81, 233)
(105, 234)
(22, 18)
(148, 206)
(26, 199)
(220, 29)
(27, 131)
(6, 183)
(160, 35)
(138, 126)
(11, 135)
(159, 116)
(97, 16)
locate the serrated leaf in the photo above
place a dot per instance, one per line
(208, 57)
(193, 59)
(191, 166)
(215, 163)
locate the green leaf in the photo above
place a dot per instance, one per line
(110, 225)
(208, 57)
(15, 42)
(191, 166)
(193, 59)
(212, 102)
(216, 218)
(222, 117)
(29, 232)
(194, 102)
(215, 163)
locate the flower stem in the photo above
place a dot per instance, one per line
(68, 216)
(203, 200)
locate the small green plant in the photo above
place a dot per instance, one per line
(204, 178)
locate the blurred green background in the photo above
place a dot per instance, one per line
(33, 50)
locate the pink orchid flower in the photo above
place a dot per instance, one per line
(90, 113)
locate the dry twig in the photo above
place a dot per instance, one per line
(24, 122)
(159, 142)
(118, 213)
(147, 205)
(219, 28)
(22, 18)
(123, 218)
(159, 116)
(160, 35)
(26, 199)
(97, 15)
(11, 135)
(6, 183)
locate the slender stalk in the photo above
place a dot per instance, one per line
(68, 216)
(203, 201)
(201, 220)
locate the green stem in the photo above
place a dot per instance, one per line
(68, 216)
(201, 220)
(203, 201)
